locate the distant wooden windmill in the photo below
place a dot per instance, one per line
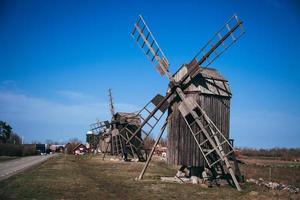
(199, 140)
(108, 132)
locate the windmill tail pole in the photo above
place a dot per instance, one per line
(152, 151)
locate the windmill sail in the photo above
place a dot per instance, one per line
(229, 33)
(146, 41)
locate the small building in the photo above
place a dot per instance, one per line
(160, 150)
(56, 148)
(80, 149)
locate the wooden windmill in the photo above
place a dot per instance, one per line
(212, 145)
(108, 132)
(118, 121)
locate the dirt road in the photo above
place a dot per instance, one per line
(11, 167)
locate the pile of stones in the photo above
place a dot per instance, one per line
(274, 185)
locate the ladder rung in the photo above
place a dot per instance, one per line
(205, 126)
(209, 152)
(147, 110)
(155, 54)
(228, 153)
(133, 32)
(203, 142)
(212, 164)
(192, 123)
(155, 118)
(149, 48)
(220, 36)
(225, 156)
(142, 30)
(149, 125)
(146, 133)
(228, 28)
(146, 39)
(213, 135)
(222, 143)
(142, 118)
(198, 133)
(138, 37)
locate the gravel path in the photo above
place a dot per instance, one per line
(11, 167)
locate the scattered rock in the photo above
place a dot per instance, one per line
(274, 185)
(180, 174)
(205, 175)
(253, 193)
(170, 179)
(194, 179)
(203, 185)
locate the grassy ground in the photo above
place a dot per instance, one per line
(6, 158)
(88, 177)
(286, 172)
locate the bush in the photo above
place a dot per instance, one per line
(17, 150)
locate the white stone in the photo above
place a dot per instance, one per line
(194, 179)
(180, 174)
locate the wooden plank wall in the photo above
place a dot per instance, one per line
(182, 149)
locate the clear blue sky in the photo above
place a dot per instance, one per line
(58, 59)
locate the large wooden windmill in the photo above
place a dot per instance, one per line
(213, 146)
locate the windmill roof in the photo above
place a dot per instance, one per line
(207, 81)
(212, 73)
(77, 146)
(126, 114)
(131, 118)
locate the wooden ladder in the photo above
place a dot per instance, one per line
(117, 145)
(215, 148)
(150, 115)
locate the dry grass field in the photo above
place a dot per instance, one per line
(88, 177)
(286, 172)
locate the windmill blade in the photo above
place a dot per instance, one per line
(99, 127)
(146, 41)
(229, 33)
(150, 115)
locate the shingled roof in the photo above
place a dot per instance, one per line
(131, 118)
(207, 81)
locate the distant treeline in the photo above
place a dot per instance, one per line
(282, 153)
(7, 135)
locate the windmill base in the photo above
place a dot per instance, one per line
(197, 175)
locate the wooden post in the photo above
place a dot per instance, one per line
(152, 151)
(270, 173)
